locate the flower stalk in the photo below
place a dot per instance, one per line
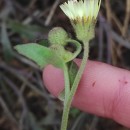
(68, 101)
(83, 22)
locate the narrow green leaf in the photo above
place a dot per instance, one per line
(26, 31)
(7, 49)
(73, 69)
(40, 54)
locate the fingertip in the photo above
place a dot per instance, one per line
(53, 79)
(104, 90)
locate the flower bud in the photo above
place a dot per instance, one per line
(58, 36)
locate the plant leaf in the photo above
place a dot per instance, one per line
(7, 49)
(73, 69)
(40, 55)
(26, 31)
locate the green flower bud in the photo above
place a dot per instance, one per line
(58, 36)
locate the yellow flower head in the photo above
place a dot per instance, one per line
(82, 9)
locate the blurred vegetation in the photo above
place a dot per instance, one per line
(25, 104)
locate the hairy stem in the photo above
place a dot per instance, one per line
(67, 83)
(67, 104)
(78, 47)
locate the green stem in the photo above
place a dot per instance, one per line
(78, 47)
(67, 82)
(74, 88)
(64, 95)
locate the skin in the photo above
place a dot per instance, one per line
(104, 90)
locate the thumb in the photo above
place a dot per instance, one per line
(103, 90)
